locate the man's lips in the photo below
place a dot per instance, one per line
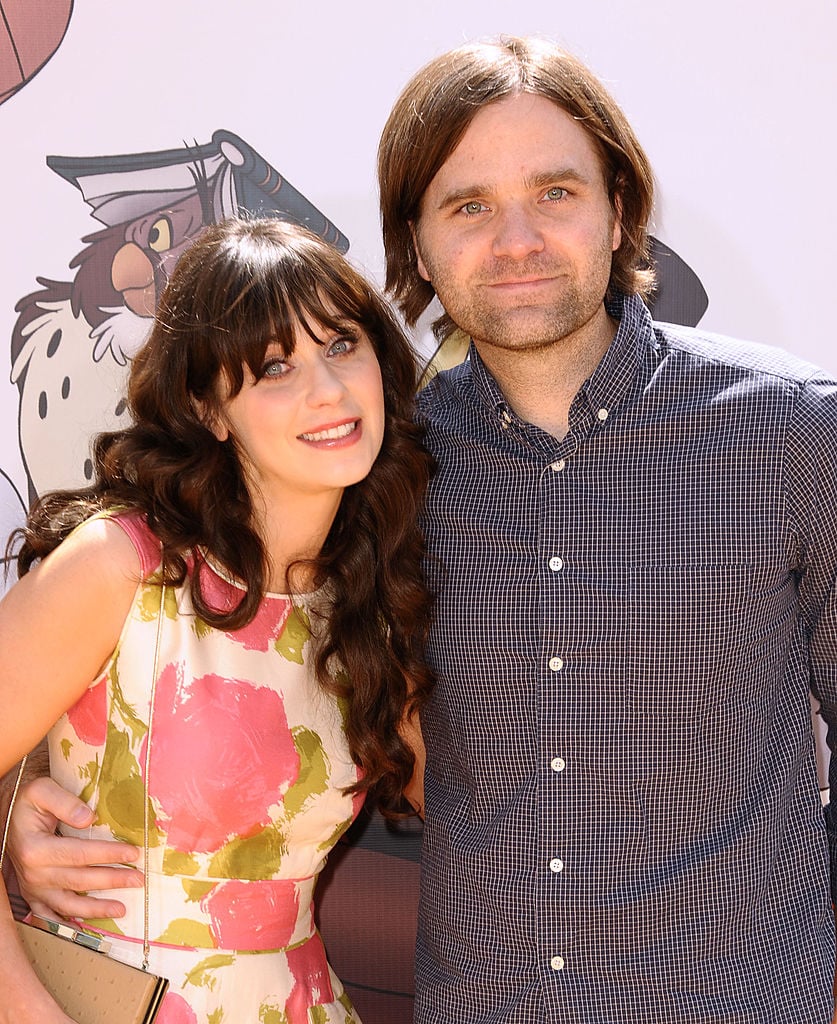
(521, 282)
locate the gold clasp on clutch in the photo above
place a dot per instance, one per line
(67, 931)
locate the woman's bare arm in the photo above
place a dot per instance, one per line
(58, 627)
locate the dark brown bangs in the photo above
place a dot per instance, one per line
(320, 295)
(324, 285)
(266, 280)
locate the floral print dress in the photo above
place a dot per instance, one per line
(247, 766)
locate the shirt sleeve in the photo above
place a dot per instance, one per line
(811, 470)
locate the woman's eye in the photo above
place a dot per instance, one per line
(555, 193)
(342, 345)
(275, 368)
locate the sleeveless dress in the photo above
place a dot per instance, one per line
(247, 766)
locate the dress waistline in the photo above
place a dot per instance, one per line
(232, 914)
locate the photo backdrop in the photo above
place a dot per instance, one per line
(126, 125)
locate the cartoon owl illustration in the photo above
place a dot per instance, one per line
(73, 340)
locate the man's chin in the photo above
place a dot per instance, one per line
(521, 330)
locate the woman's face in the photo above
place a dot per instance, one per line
(313, 423)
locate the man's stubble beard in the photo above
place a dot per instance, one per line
(526, 328)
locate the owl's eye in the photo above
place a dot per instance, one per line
(159, 236)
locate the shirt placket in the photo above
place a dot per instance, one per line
(556, 862)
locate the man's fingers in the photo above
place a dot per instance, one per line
(43, 883)
(54, 884)
(73, 905)
(65, 892)
(86, 879)
(47, 797)
(54, 873)
(52, 853)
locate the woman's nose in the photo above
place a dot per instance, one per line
(325, 384)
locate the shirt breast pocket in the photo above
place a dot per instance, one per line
(693, 635)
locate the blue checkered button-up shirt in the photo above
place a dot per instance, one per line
(623, 819)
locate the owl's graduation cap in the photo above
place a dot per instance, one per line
(229, 173)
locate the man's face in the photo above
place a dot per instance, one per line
(516, 232)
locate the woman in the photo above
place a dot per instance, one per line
(270, 481)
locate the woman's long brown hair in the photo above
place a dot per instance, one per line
(243, 283)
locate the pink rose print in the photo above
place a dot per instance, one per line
(222, 755)
(217, 592)
(88, 716)
(268, 623)
(266, 627)
(175, 1010)
(252, 915)
(312, 983)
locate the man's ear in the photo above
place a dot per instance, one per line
(617, 219)
(210, 420)
(422, 269)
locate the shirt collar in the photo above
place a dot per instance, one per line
(609, 382)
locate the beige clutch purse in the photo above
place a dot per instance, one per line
(90, 986)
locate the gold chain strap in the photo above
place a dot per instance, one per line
(146, 944)
(11, 807)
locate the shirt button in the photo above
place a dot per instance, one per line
(556, 664)
(557, 764)
(603, 414)
(557, 963)
(556, 865)
(556, 563)
(556, 467)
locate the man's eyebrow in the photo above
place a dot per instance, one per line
(458, 196)
(557, 175)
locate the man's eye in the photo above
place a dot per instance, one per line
(473, 207)
(555, 193)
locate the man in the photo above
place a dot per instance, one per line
(633, 544)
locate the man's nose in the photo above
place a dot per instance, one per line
(517, 233)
